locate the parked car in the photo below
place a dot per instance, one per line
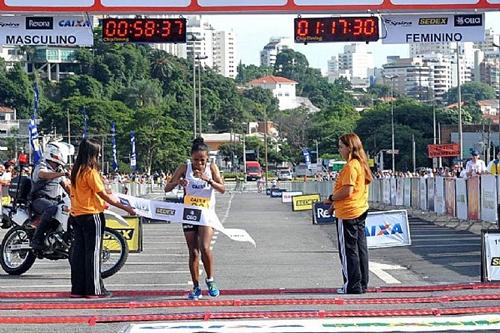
(284, 175)
(254, 170)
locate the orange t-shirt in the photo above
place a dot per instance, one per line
(84, 198)
(357, 203)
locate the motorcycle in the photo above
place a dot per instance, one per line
(17, 256)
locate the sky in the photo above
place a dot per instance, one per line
(253, 33)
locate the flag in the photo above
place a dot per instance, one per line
(307, 157)
(133, 157)
(114, 165)
(33, 130)
(85, 126)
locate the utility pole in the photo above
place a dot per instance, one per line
(460, 134)
(265, 146)
(434, 160)
(69, 127)
(199, 94)
(414, 153)
(244, 158)
(440, 159)
(193, 40)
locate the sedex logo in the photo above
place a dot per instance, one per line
(39, 23)
(165, 211)
(190, 214)
(468, 20)
(495, 261)
(384, 230)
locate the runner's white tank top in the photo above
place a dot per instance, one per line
(199, 192)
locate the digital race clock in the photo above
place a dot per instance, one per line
(336, 29)
(143, 30)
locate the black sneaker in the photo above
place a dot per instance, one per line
(104, 294)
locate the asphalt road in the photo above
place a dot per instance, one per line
(291, 252)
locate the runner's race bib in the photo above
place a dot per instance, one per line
(197, 201)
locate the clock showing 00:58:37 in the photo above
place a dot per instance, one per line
(336, 29)
(142, 30)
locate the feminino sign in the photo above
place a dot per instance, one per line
(438, 28)
(46, 30)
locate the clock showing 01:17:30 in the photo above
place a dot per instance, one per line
(336, 29)
(144, 30)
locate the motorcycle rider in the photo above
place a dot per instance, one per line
(49, 178)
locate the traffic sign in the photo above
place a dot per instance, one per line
(389, 151)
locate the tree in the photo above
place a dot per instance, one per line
(247, 73)
(471, 92)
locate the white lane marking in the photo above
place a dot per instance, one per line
(108, 285)
(380, 271)
(122, 272)
(159, 255)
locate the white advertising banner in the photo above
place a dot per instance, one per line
(461, 201)
(286, 197)
(422, 190)
(393, 191)
(488, 209)
(387, 229)
(430, 194)
(399, 192)
(492, 255)
(180, 213)
(407, 192)
(436, 28)
(386, 191)
(46, 30)
(439, 204)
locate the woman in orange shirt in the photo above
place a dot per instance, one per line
(87, 218)
(350, 202)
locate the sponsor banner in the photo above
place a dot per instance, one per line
(473, 198)
(407, 192)
(430, 194)
(286, 197)
(277, 192)
(304, 202)
(415, 196)
(439, 203)
(436, 28)
(131, 233)
(443, 150)
(422, 190)
(46, 30)
(180, 213)
(461, 195)
(399, 192)
(393, 191)
(386, 191)
(387, 229)
(488, 198)
(490, 253)
(449, 190)
(321, 215)
(244, 6)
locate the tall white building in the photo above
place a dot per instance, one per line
(200, 41)
(271, 50)
(355, 64)
(410, 76)
(225, 58)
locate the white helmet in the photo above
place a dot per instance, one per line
(58, 152)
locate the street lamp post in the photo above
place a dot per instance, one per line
(199, 58)
(392, 77)
(498, 96)
(459, 93)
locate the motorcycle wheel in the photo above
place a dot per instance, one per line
(114, 253)
(16, 262)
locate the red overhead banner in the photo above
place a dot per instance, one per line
(446, 150)
(245, 6)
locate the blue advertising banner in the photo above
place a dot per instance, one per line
(321, 215)
(33, 130)
(114, 164)
(307, 157)
(133, 157)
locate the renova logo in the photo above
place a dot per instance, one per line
(39, 23)
(74, 23)
(468, 20)
(396, 23)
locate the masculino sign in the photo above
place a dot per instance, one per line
(46, 30)
(405, 29)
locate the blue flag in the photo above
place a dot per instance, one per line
(307, 157)
(114, 165)
(133, 157)
(33, 130)
(85, 126)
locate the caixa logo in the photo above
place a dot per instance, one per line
(74, 23)
(384, 230)
(468, 20)
(190, 214)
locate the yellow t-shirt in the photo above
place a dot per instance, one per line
(357, 203)
(84, 198)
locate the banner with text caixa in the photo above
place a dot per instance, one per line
(46, 30)
(436, 28)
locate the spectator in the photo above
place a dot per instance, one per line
(475, 166)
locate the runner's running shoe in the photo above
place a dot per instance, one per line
(195, 294)
(212, 288)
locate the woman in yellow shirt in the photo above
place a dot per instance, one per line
(87, 218)
(350, 202)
